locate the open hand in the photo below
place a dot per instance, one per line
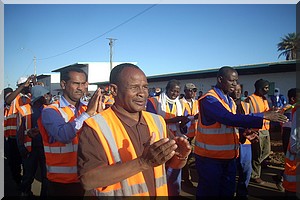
(159, 152)
(184, 148)
(275, 116)
(251, 135)
(95, 103)
(33, 132)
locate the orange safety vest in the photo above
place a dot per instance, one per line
(259, 105)
(6, 132)
(292, 163)
(112, 134)
(217, 140)
(168, 113)
(192, 112)
(246, 108)
(61, 159)
(26, 111)
(109, 100)
(11, 114)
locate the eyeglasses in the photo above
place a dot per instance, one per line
(192, 90)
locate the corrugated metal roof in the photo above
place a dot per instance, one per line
(261, 68)
(73, 65)
(271, 67)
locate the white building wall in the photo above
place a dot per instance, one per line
(99, 71)
(51, 82)
(284, 81)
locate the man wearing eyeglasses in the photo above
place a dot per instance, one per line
(190, 109)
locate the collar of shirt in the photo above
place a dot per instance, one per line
(184, 100)
(128, 121)
(24, 95)
(64, 103)
(226, 98)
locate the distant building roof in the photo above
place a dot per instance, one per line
(42, 76)
(262, 68)
(72, 65)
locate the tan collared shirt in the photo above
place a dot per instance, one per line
(92, 155)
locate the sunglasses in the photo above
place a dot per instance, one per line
(192, 90)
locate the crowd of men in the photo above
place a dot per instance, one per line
(123, 141)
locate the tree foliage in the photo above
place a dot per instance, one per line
(289, 46)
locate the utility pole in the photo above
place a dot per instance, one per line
(34, 60)
(111, 43)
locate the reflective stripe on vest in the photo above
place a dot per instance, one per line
(10, 116)
(157, 122)
(62, 149)
(10, 119)
(217, 140)
(25, 111)
(290, 176)
(191, 132)
(10, 127)
(222, 130)
(62, 112)
(61, 170)
(27, 144)
(61, 159)
(246, 108)
(106, 131)
(216, 147)
(138, 185)
(9, 123)
(109, 136)
(259, 108)
(137, 189)
(167, 114)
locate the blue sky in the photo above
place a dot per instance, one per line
(164, 39)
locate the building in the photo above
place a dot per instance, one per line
(279, 74)
(97, 71)
(51, 82)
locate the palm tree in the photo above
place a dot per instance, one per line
(289, 46)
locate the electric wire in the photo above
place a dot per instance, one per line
(27, 67)
(110, 30)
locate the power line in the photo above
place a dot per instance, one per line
(28, 66)
(112, 29)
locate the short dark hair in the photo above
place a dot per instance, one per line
(114, 77)
(172, 83)
(260, 84)
(7, 90)
(65, 73)
(223, 71)
(292, 93)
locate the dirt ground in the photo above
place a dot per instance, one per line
(275, 164)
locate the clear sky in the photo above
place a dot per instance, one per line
(162, 38)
